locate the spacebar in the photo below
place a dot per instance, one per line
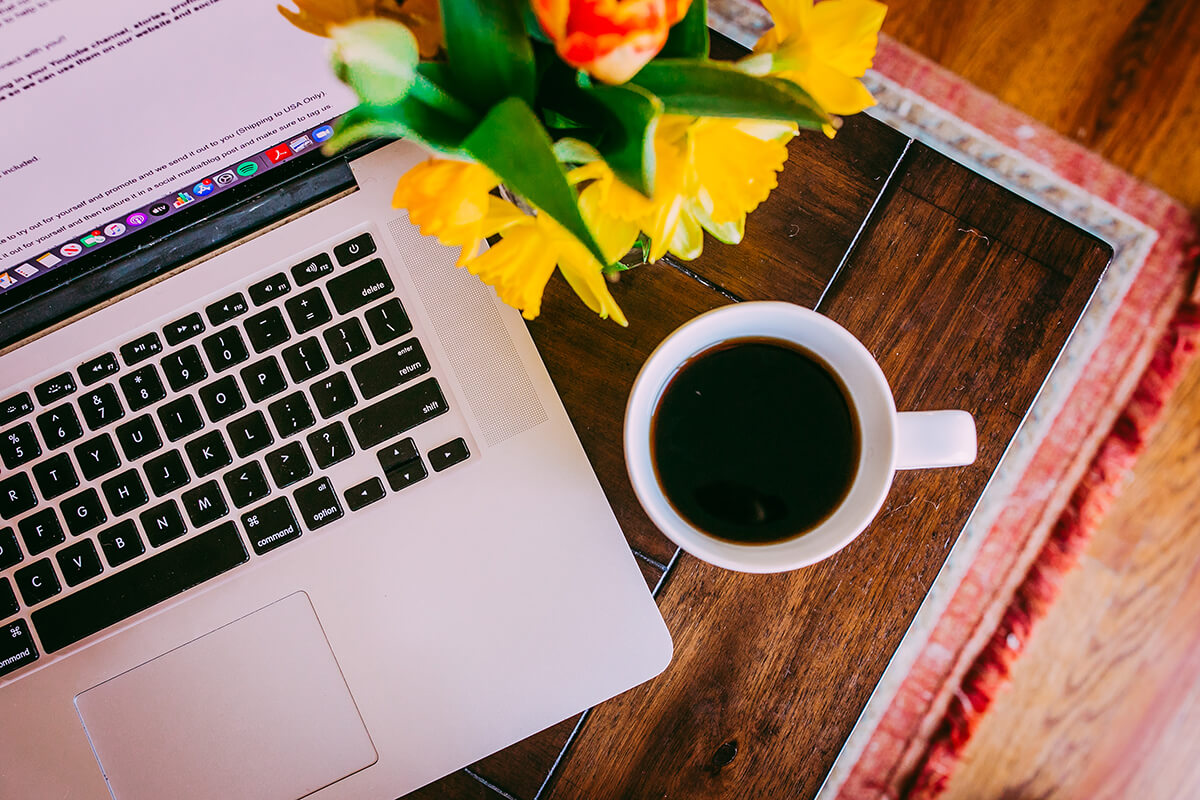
(143, 585)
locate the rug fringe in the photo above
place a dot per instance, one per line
(1089, 503)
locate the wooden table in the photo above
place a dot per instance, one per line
(965, 294)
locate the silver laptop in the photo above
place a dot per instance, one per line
(288, 503)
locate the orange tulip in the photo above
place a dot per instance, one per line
(609, 39)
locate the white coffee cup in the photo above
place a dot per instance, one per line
(889, 440)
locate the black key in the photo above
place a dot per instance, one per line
(83, 512)
(275, 286)
(183, 329)
(365, 493)
(10, 551)
(267, 330)
(246, 484)
(360, 286)
(385, 371)
(333, 395)
(398, 454)
(263, 379)
(19, 446)
(291, 414)
(16, 496)
(318, 504)
(315, 268)
(288, 465)
(346, 340)
(360, 246)
(8, 601)
(97, 457)
(305, 360)
(142, 387)
(208, 453)
(449, 454)
(271, 525)
(330, 445)
(205, 504)
(162, 523)
(167, 473)
(394, 415)
(308, 310)
(15, 407)
(250, 434)
(37, 582)
(141, 348)
(97, 369)
(41, 531)
(54, 389)
(55, 476)
(180, 418)
(79, 562)
(184, 368)
(224, 349)
(125, 492)
(100, 407)
(139, 437)
(388, 321)
(121, 543)
(141, 586)
(16, 647)
(222, 398)
(59, 426)
(224, 310)
(406, 474)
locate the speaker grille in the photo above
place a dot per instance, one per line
(468, 324)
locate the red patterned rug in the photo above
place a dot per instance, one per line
(1087, 428)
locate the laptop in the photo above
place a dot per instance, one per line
(289, 506)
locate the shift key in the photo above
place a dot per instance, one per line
(402, 411)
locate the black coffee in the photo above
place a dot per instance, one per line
(755, 441)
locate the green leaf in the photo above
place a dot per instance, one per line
(377, 58)
(410, 118)
(513, 144)
(488, 50)
(717, 89)
(627, 137)
(689, 37)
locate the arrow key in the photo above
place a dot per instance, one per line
(364, 494)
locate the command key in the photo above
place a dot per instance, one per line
(16, 647)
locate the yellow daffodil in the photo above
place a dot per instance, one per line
(698, 186)
(451, 200)
(422, 17)
(824, 49)
(521, 263)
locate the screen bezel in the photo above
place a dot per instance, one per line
(93, 278)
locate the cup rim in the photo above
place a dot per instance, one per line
(871, 398)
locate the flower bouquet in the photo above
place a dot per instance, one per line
(605, 121)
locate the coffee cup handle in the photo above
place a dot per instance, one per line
(934, 439)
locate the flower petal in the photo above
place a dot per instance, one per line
(517, 267)
(845, 33)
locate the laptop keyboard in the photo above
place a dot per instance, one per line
(203, 446)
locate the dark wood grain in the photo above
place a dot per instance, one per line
(964, 308)
(593, 364)
(801, 242)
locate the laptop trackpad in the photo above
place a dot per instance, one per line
(256, 709)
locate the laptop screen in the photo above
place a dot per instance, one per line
(117, 115)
